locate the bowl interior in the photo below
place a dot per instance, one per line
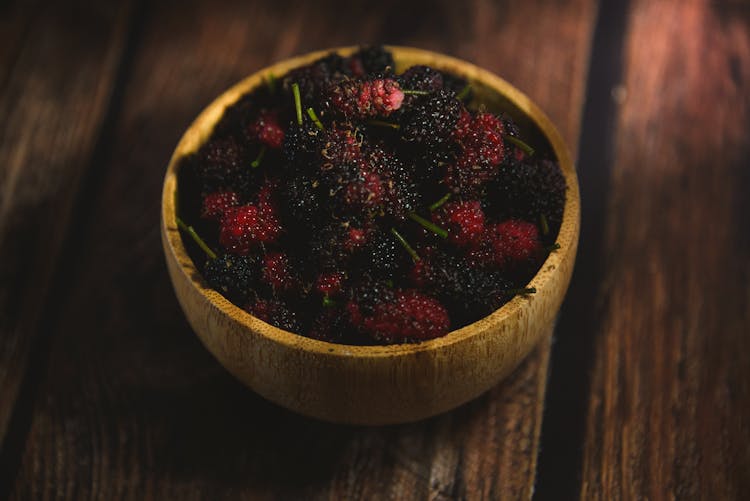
(492, 92)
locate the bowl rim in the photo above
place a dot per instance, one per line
(202, 126)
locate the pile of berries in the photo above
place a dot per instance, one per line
(351, 204)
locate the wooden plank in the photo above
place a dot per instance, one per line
(670, 401)
(134, 407)
(52, 118)
(15, 20)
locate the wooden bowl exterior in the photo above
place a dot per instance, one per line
(373, 385)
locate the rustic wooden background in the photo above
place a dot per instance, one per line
(644, 392)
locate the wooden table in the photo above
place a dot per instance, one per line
(644, 392)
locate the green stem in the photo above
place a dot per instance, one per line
(314, 118)
(255, 163)
(525, 147)
(440, 202)
(553, 247)
(297, 102)
(328, 302)
(406, 245)
(464, 92)
(428, 225)
(522, 291)
(271, 82)
(414, 92)
(543, 223)
(382, 123)
(198, 240)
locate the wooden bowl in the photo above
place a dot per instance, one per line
(376, 385)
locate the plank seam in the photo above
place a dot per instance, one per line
(563, 425)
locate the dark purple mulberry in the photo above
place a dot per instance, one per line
(370, 60)
(331, 325)
(529, 190)
(421, 78)
(234, 276)
(431, 121)
(399, 190)
(302, 145)
(469, 293)
(316, 77)
(332, 247)
(301, 201)
(275, 313)
(383, 257)
(220, 162)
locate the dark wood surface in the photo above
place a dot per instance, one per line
(670, 394)
(105, 393)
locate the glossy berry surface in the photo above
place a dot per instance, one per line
(267, 130)
(508, 245)
(217, 203)
(247, 226)
(463, 220)
(408, 316)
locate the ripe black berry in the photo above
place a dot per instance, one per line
(370, 61)
(220, 162)
(421, 78)
(302, 145)
(332, 247)
(432, 120)
(383, 257)
(314, 78)
(234, 276)
(332, 324)
(530, 190)
(301, 202)
(469, 292)
(276, 313)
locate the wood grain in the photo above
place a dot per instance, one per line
(134, 407)
(55, 121)
(16, 19)
(670, 398)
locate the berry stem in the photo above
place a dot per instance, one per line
(271, 82)
(381, 123)
(522, 291)
(406, 245)
(525, 147)
(314, 118)
(428, 225)
(255, 163)
(543, 223)
(328, 302)
(464, 92)
(198, 240)
(440, 202)
(553, 247)
(297, 102)
(415, 92)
